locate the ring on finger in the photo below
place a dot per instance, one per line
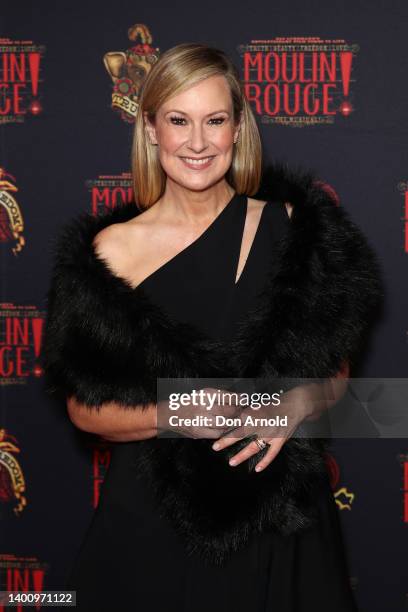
(261, 443)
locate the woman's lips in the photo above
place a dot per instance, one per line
(197, 164)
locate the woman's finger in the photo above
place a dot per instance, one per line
(274, 448)
(275, 445)
(226, 440)
(250, 449)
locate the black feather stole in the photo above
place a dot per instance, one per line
(107, 342)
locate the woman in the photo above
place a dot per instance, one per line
(202, 280)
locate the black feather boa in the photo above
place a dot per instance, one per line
(106, 341)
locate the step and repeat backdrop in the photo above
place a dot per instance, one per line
(328, 85)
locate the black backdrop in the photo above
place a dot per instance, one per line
(70, 138)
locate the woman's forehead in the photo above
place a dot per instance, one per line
(213, 91)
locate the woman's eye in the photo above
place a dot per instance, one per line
(179, 120)
(176, 120)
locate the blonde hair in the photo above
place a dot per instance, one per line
(176, 70)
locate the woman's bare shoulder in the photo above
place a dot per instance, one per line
(115, 244)
(122, 235)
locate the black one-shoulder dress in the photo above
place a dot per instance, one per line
(131, 558)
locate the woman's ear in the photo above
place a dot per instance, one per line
(150, 129)
(238, 127)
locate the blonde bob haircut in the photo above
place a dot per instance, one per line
(178, 69)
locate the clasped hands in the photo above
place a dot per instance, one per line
(305, 402)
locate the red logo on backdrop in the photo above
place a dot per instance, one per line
(128, 70)
(101, 462)
(20, 343)
(12, 483)
(20, 78)
(11, 219)
(109, 191)
(299, 81)
(343, 497)
(21, 574)
(403, 188)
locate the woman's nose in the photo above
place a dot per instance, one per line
(197, 137)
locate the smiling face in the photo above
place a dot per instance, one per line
(195, 134)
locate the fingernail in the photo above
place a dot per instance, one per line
(258, 468)
(216, 446)
(233, 462)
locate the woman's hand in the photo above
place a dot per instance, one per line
(274, 435)
(199, 421)
(306, 402)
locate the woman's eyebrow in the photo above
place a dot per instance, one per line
(222, 110)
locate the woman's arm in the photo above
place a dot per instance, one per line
(324, 395)
(113, 421)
